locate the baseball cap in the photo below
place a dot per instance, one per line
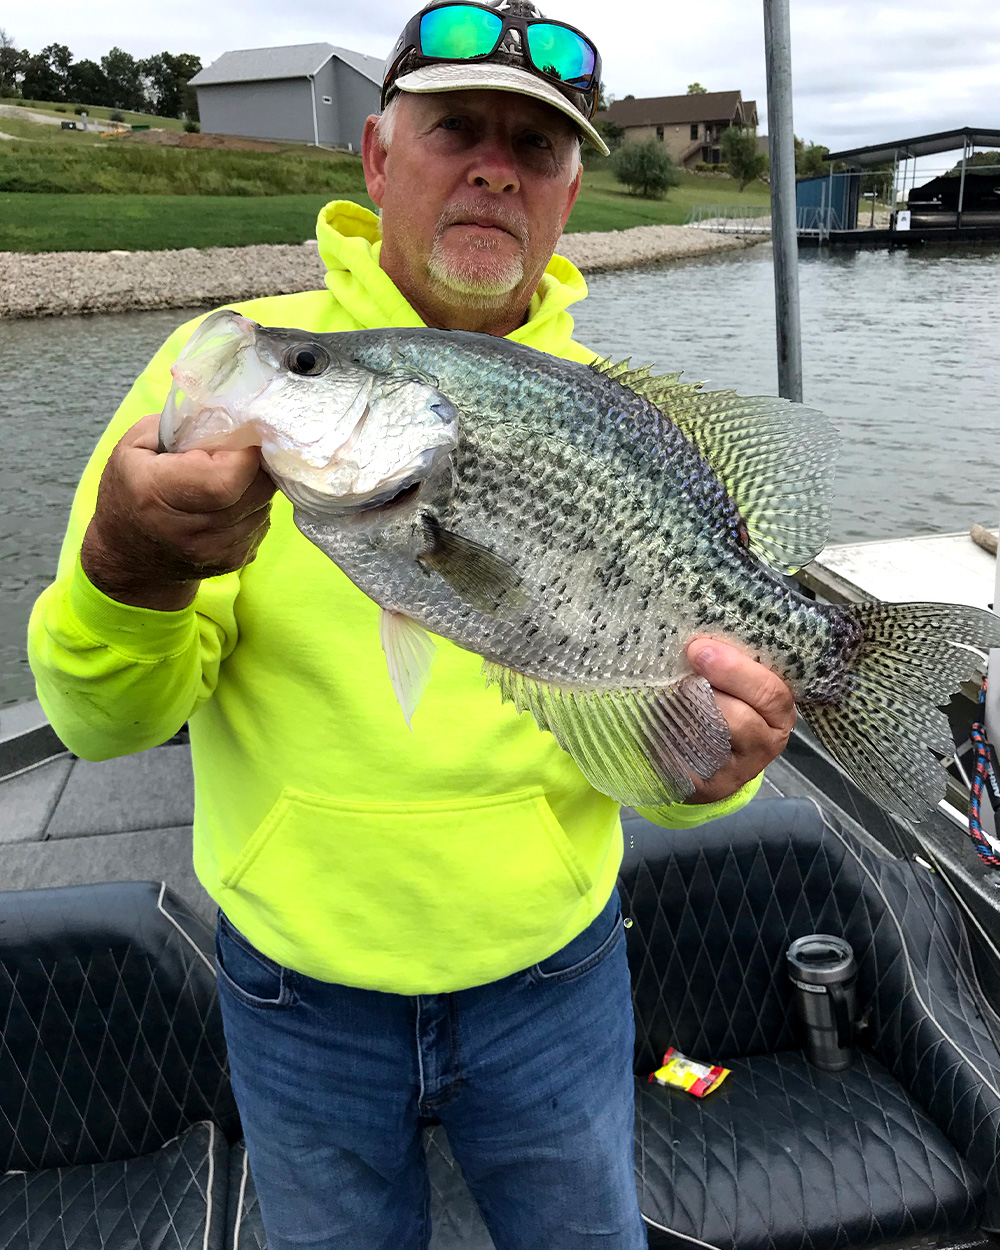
(498, 45)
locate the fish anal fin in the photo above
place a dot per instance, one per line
(409, 652)
(638, 745)
(476, 574)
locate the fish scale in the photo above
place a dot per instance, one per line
(576, 526)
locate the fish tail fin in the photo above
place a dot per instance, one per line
(885, 726)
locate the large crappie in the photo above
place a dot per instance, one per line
(576, 526)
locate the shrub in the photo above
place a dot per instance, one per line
(739, 146)
(706, 167)
(79, 108)
(59, 108)
(645, 168)
(192, 128)
(116, 115)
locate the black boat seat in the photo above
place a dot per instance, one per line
(115, 1105)
(782, 1156)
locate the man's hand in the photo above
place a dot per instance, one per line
(163, 522)
(756, 703)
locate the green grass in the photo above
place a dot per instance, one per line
(120, 167)
(604, 204)
(95, 112)
(276, 199)
(99, 223)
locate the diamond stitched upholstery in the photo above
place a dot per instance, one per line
(111, 1039)
(173, 1199)
(783, 1155)
(714, 910)
(244, 1226)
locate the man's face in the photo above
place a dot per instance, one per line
(475, 189)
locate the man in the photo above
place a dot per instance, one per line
(413, 925)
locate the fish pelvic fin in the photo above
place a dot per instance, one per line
(409, 652)
(775, 458)
(885, 727)
(640, 746)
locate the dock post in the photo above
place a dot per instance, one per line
(784, 224)
(961, 185)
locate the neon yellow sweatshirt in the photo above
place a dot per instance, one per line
(341, 843)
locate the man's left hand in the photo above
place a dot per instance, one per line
(758, 706)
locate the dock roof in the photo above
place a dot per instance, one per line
(922, 145)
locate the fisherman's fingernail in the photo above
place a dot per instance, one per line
(703, 658)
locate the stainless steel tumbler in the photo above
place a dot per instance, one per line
(824, 974)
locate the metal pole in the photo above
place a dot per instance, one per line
(784, 232)
(312, 85)
(961, 184)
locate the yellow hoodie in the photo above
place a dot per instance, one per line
(341, 843)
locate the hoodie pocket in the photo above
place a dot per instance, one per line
(407, 897)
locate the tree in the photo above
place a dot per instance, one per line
(810, 158)
(742, 154)
(165, 82)
(124, 80)
(88, 83)
(645, 168)
(11, 64)
(612, 134)
(45, 76)
(977, 158)
(695, 88)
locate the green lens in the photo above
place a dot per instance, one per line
(458, 31)
(561, 53)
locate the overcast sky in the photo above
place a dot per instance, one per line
(863, 72)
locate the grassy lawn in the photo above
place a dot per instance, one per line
(67, 196)
(99, 223)
(95, 112)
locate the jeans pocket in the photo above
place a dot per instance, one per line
(586, 950)
(248, 974)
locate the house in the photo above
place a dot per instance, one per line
(689, 125)
(305, 93)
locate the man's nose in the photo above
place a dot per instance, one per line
(494, 169)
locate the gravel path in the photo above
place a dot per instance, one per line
(47, 284)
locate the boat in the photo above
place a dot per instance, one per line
(710, 914)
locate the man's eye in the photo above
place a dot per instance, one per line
(536, 140)
(452, 123)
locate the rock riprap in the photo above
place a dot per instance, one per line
(47, 284)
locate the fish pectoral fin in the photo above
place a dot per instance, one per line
(476, 574)
(638, 745)
(409, 652)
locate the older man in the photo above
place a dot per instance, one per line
(412, 926)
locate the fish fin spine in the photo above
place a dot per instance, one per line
(409, 653)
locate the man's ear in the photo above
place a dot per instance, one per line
(571, 194)
(373, 156)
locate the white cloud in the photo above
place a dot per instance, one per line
(863, 72)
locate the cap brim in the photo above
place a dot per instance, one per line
(490, 76)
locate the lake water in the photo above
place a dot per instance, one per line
(901, 349)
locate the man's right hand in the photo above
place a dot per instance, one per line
(165, 521)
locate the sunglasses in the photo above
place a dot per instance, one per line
(472, 32)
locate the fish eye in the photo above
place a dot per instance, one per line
(306, 359)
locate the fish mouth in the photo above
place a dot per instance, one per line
(394, 502)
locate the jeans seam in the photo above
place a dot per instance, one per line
(585, 965)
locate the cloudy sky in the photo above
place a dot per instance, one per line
(863, 71)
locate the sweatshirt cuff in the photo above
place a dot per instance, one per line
(139, 633)
(690, 815)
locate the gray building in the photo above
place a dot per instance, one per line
(306, 93)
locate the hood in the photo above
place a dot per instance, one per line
(350, 241)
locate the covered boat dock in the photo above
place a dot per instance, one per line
(958, 206)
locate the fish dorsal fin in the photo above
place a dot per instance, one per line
(637, 745)
(409, 652)
(775, 458)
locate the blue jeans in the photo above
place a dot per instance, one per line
(531, 1077)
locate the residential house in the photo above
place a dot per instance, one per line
(690, 126)
(305, 93)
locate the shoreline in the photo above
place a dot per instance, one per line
(54, 284)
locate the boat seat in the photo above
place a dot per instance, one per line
(901, 1145)
(115, 1106)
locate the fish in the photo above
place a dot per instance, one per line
(576, 526)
